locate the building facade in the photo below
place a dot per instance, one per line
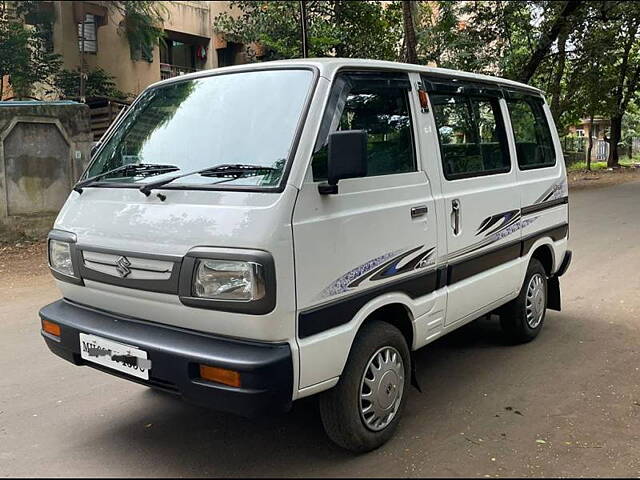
(190, 43)
(93, 31)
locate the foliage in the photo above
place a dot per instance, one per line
(584, 54)
(98, 83)
(141, 24)
(631, 124)
(346, 29)
(610, 54)
(592, 66)
(495, 37)
(25, 54)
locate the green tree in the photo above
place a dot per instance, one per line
(603, 70)
(631, 125)
(507, 38)
(621, 66)
(25, 53)
(345, 29)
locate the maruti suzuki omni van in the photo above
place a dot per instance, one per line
(252, 235)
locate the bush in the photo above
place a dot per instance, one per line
(99, 83)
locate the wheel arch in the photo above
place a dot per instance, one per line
(317, 367)
(397, 314)
(544, 252)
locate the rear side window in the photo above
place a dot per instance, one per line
(379, 104)
(471, 135)
(534, 143)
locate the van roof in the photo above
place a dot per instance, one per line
(328, 66)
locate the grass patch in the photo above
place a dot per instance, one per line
(579, 166)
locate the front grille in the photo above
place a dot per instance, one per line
(155, 273)
(127, 266)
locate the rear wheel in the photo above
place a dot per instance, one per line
(362, 411)
(523, 318)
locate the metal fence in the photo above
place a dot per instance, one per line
(601, 150)
(575, 149)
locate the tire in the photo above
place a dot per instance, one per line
(523, 317)
(341, 408)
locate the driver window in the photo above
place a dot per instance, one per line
(381, 107)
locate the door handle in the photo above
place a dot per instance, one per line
(455, 216)
(419, 211)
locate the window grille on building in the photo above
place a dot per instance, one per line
(90, 37)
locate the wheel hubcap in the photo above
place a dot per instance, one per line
(381, 388)
(535, 303)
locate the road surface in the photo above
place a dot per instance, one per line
(567, 404)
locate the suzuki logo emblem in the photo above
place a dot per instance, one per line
(122, 266)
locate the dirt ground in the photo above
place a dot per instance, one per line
(602, 178)
(24, 259)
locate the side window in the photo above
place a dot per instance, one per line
(379, 105)
(534, 143)
(471, 134)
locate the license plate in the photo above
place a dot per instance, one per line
(118, 356)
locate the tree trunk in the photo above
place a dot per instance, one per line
(303, 30)
(614, 139)
(590, 148)
(556, 87)
(543, 46)
(337, 12)
(410, 52)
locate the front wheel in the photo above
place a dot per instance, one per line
(362, 411)
(523, 317)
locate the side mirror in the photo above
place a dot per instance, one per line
(347, 158)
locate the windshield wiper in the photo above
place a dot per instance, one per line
(144, 169)
(225, 170)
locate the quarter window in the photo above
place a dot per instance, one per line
(534, 144)
(378, 104)
(471, 135)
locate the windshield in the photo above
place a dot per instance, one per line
(245, 118)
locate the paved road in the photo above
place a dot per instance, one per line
(566, 404)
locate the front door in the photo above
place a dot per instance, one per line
(376, 236)
(481, 201)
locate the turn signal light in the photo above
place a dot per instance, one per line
(424, 100)
(51, 328)
(220, 375)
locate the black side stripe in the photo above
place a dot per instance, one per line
(538, 207)
(342, 310)
(556, 233)
(486, 260)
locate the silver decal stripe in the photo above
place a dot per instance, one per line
(494, 228)
(511, 222)
(341, 284)
(380, 268)
(497, 222)
(556, 190)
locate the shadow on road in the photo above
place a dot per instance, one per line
(179, 436)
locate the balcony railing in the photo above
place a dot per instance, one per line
(170, 71)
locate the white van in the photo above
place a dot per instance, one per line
(252, 235)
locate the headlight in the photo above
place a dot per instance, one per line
(60, 258)
(238, 280)
(229, 280)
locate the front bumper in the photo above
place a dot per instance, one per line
(266, 369)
